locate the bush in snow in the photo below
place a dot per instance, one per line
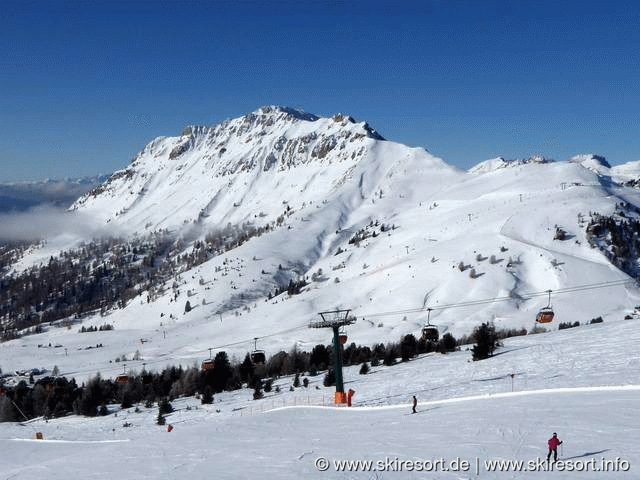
(329, 378)
(560, 234)
(257, 393)
(565, 325)
(511, 332)
(447, 343)
(596, 320)
(268, 385)
(7, 411)
(364, 369)
(537, 329)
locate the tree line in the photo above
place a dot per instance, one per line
(101, 275)
(57, 396)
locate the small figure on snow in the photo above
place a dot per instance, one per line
(415, 404)
(349, 396)
(553, 446)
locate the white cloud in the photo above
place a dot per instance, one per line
(47, 222)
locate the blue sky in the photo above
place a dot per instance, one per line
(84, 85)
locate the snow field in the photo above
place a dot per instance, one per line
(581, 382)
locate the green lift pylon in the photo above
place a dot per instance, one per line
(335, 319)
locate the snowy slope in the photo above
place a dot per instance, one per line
(328, 179)
(564, 381)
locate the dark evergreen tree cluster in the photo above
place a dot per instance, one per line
(369, 231)
(232, 236)
(53, 397)
(10, 252)
(618, 237)
(58, 396)
(96, 276)
(293, 288)
(565, 325)
(102, 328)
(102, 275)
(48, 397)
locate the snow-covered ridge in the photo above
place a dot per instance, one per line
(500, 162)
(226, 172)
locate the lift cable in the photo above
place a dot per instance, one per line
(487, 301)
(471, 303)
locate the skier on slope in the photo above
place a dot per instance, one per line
(553, 446)
(415, 404)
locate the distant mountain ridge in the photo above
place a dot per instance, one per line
(223, 173)
(20, 196)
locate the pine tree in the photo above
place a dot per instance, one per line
(447, 343)
(408, 347)
(486, 341)
(164, 406)
(7, 411)
(221, 371)
(126, 400)
(207, 396)
(246, 368)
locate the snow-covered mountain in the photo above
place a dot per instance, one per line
(254, 167)
(216, 223)
(357, 222)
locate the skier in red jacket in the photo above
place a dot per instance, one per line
(553, 446)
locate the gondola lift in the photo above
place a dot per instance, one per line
(207, 364)
(430, 332)
(124, 378)
(257, 356)
(545, 314)
(342, 336)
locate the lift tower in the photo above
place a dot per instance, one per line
(335, 319)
